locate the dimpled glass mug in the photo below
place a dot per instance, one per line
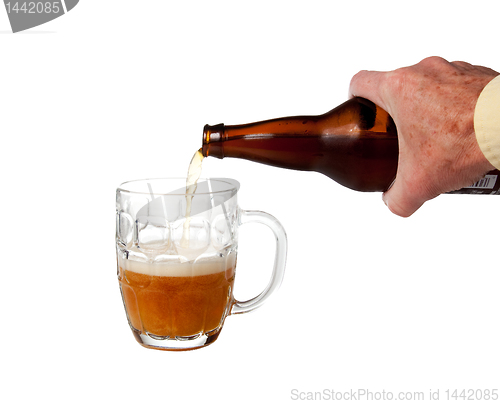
(176, 258)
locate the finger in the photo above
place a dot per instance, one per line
(368, 84)
(399, 201)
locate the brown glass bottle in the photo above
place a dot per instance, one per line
(355, 144)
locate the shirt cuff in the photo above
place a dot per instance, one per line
(487, 121)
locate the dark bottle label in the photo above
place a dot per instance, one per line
(488, 185)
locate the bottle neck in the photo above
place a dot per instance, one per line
(216, 137)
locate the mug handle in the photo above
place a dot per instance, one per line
(254, 216)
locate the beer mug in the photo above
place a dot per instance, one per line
(176, 255)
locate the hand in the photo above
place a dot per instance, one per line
(432, 104)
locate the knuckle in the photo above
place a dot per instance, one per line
(357, 81)
(459, 63)
(357, 77)
(434, 62)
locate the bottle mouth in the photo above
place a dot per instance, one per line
(212, 136)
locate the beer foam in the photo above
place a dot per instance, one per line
(202, 267)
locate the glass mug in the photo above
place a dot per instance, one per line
(176, 257)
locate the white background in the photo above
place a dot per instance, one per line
(118, 90)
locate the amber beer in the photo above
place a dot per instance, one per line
(355, 144)
(177, 300)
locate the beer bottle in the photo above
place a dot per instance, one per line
(355, 144)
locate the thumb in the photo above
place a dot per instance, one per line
(400, 201)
